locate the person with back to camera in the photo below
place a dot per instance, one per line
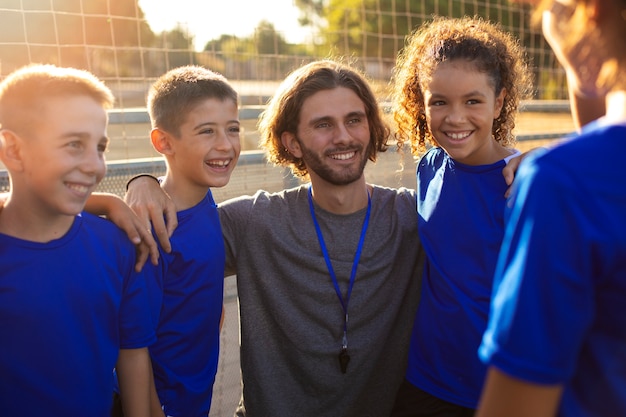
(458, 85)
(195, 125)
(557, 327)
(71, 304)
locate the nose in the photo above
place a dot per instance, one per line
(93, 163)
(342, 134)
(455, 115)
(225, 140)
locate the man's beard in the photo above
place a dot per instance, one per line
(335, 176)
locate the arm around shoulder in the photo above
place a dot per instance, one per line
(116, 210)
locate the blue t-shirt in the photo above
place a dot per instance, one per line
(461, 224)
(558, 315)
(185, 356)
(66, 308)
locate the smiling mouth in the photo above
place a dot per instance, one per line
(219, 164)
(458, 135)
(79, 188)
(343, 156)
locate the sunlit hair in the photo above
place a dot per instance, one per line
(485, 46)
(283, 110)
(179, 90)
(23, 92)
(608, 38)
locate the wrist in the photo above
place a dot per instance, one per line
(133, 178)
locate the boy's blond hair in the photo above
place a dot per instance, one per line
(23, 91)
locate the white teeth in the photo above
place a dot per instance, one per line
(219, 163)
(78, 188)
(459, 135)
(343, 156)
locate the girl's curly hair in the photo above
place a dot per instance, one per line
(491, 50)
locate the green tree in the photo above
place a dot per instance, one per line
(177, 47)
(375, 30)
(310, 11)
(268, 40)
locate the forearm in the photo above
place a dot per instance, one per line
(155, 403)
(504, 395)
(134, 372)
(103, 204)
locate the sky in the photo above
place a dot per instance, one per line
(208, 19)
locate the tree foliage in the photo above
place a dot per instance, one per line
(112, 38)
(377, 28)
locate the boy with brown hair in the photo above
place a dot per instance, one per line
(195, 125)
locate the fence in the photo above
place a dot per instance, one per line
(540, 121)
(114, 40)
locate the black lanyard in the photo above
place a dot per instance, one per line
(344, 358)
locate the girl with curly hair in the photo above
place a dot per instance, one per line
(458, 86)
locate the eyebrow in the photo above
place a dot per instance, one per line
(82, 136)
(316, 120)
(470, 94)
(203, 124)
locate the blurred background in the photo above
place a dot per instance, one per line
(255, 44)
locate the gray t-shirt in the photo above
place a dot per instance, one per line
(291, 317)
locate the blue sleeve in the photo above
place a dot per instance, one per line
(543, 299)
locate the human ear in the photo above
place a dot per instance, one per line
(11, 150)
(598, 9)
(291, 144)
(161, 141)
(499, 103)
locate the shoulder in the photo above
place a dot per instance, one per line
(97, 223)
(263, 199)
(101, 230)
(580, 164)
(594, 139)
(402, 195)
(432, 156)
(432, 161)
(101, 242)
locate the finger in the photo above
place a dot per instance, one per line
(158, 224)
(148, 241)
(142, 256)
(511, 167)
(131, 230)
(507, 194)
(509, 173)
(171, 219)
(143, 216)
